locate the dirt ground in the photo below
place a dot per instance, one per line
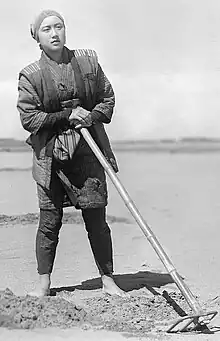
(78, 309)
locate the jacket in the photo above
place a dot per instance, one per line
(41, 113)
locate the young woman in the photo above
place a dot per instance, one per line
(62, 92)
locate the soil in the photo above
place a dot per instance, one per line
(73, 310)
(139, 314)
(68, 218)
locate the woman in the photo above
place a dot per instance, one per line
(59, 94)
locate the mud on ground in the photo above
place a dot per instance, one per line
(68, 218)
(138, 314)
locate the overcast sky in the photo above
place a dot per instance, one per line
(161, 56)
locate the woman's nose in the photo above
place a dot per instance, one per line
(53, 32)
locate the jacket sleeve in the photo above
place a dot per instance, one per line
(33, 118)
(105, 99)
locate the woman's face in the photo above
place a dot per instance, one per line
(51, 34)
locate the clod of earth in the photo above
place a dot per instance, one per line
(32, 312)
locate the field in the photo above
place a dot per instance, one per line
(178, 195)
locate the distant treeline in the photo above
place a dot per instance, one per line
(12, 143)
(170, 140)
(186, 144)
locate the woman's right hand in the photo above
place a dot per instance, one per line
(80, 118)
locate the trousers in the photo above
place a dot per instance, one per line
(99, 236)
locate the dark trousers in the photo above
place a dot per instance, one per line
(98, 233)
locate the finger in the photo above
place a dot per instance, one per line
(82, 115)
(82, 125)
(79, 123)
(88, 119)
(78, 126)
(76, 118)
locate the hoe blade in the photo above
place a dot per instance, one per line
(193, 323)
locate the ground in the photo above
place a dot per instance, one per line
(78, 309)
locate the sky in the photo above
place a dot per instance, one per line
(161, 56)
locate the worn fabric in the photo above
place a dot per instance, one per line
(64, 80)
(42, 115)
(47, 239)
(98, 233)
(40, 18)
(66, 144)
(84, 165)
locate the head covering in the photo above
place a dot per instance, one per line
(40, 18)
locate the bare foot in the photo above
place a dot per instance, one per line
(39, 293)
(110, 287)
(43, 288)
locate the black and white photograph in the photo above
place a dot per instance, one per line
(110, 170)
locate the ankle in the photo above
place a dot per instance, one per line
(107, 276)
(45, 281)
(106, 279)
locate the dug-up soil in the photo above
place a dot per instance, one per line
(140, 313)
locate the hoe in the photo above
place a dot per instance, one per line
(199, 319)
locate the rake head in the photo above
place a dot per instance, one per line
(193, 323)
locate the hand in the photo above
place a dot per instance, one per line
(80, 118)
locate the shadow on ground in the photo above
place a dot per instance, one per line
(127, 282)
